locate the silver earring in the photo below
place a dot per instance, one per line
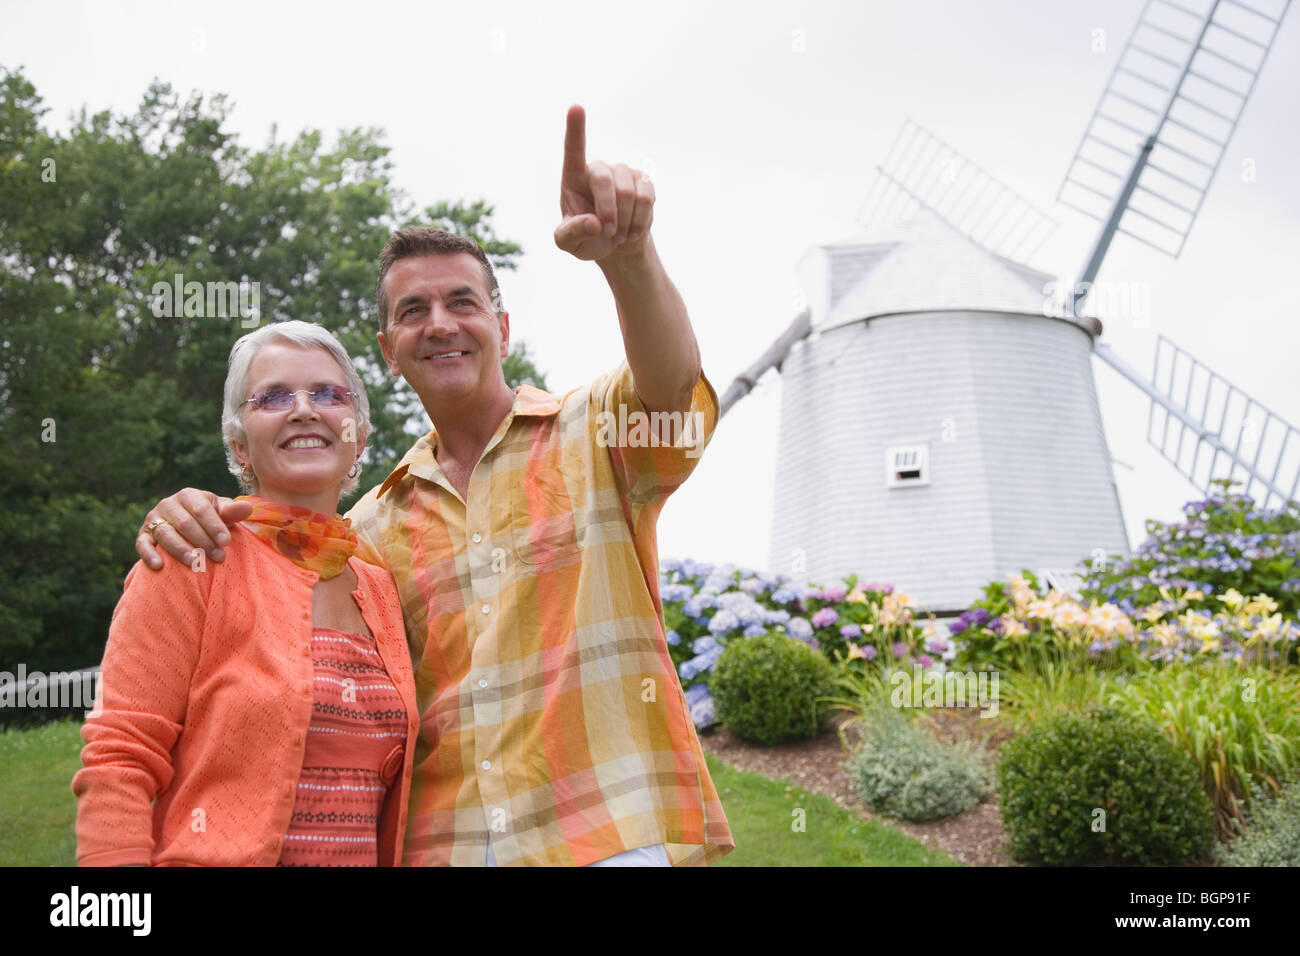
(246, 475)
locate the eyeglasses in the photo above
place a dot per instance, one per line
(281, 399)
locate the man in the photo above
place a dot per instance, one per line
(521, 535)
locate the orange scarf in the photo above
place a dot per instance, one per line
(310, 539)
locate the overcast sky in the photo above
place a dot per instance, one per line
(761, 124)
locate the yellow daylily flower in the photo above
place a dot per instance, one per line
(1269, 626)
(1166, 634)
(1232, 598)
(1152, 613)
(1261, 604)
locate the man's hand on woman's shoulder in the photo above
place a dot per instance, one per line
(187, 520)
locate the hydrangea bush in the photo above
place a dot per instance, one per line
(1224, 543)
(707, 606)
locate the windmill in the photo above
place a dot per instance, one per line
(939, 419)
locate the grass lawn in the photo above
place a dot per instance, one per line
(762, 818)
(37, 810)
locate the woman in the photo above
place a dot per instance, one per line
(263, 705)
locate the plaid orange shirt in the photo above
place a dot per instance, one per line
(552, 720)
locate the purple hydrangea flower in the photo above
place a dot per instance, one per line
(825, 617)
(869, 652)
(835, 593)
(850, 632)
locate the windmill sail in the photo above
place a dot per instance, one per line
(1162, 126)
(921, 171)
(1147, 158)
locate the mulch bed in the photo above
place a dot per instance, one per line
(974, 837)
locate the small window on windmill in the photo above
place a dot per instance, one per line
(907, 465)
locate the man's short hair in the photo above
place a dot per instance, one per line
(427, 241)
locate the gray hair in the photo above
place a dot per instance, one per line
(308, 335)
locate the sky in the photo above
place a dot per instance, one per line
(761, 125)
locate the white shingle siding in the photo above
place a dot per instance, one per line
(1024, 481)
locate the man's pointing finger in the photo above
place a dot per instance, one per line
(575, 144)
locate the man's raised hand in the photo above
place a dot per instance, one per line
(191, 519)
(607, 209)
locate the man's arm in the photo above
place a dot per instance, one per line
(607, 213)
(192, 519)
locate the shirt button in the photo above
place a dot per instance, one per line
(486, 765)
(487, 608)
(482, 683)
(476, 537)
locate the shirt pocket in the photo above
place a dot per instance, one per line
(543, 531)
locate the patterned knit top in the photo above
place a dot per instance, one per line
(354, 751)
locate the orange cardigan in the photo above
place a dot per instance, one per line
(206, 697)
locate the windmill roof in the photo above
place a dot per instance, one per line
(923, 264)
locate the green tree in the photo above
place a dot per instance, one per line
(109, 401)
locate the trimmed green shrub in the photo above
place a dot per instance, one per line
(766, 688)
(1272, 835)
(902, 771)
(1098, 787)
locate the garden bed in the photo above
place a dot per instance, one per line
(974, 837)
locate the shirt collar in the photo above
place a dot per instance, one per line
(530, 402)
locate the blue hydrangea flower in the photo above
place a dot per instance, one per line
(722, 622)
(704, 644)
(784, 595)
(697, 693)
(702, 714)
(676, 592)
